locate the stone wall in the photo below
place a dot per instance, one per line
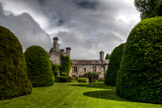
(55, 58)
(82, 69)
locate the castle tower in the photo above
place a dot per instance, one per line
(55, 44)
(54, 52)
(102, 55)
(68, 50)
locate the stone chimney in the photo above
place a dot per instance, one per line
(61, 51)
(55, 44)
(102, 55)
(68, 50)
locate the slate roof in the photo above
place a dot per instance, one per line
(89, 62)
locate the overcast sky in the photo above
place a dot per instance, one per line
(87, 26)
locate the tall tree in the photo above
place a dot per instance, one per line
(91, 76)
(107, 56)
(149, 8)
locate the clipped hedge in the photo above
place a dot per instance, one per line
(139, 77)
(84, 80)
(65, 66)
(65, 79)
(39, 66)
(114, 65)
(13, 73)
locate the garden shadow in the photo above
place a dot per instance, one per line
(105, 94)
(94, 85)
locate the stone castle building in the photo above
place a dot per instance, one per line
(80, 67)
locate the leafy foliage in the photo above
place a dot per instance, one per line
(114, 65)
(13, 73)
(139, 76)
(65, 65)
(91, 76)
(55, 69)
(63, 74)
(149, 8)
(65, 79)
(39, 66)
(82, 80)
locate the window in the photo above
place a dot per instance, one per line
(80, 76)
(75, 69)
(94, 68)
(85, 70)
(73, 75)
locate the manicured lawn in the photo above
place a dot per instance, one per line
(74, 95)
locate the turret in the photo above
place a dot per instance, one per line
(68, 50)
(102, 55)
(55, 44)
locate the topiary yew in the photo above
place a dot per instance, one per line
(13, 73)
(139, 77)
(114, 65)
(39, 67)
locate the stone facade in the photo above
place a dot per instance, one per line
(80, 67)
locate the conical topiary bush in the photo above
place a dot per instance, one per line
(39, 67)
(13, 73)
(114, 65)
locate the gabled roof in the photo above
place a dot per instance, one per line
(90, 62)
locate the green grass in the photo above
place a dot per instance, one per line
(73, 95)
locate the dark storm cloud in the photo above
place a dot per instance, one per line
(87, 4)
(87, 26)
(26, 29)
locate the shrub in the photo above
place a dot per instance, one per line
(13, 73)
(83, 80)
(63, 74)
(139, 75)
(114, 65)
(63, 79)
(39, 67)
(73, 79)
(100, 80)
(55, 69)
(91, 76)
(65, 66)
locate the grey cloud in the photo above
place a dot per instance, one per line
(87, 4)
(26, 29)
(86, 47)
(92, 25)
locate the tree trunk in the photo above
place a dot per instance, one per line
(90, 79)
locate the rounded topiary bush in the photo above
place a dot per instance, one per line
(39, 67)
(139, 76)
(13, 73)
(114, 65)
